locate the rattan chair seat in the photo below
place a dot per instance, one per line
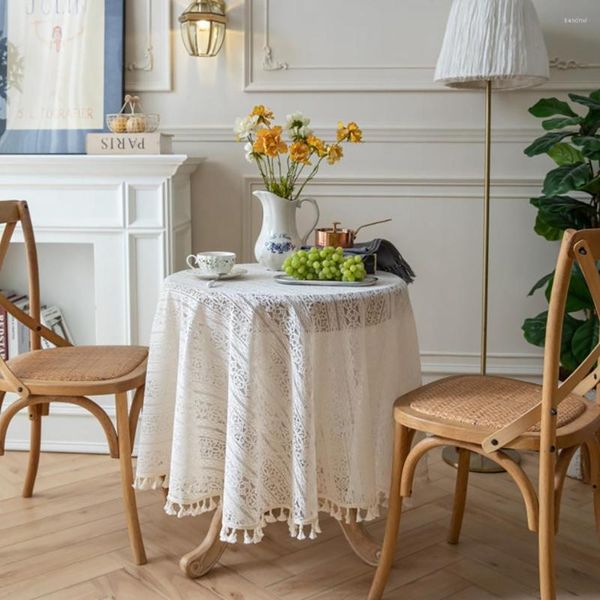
(486, 402)
(78, 363)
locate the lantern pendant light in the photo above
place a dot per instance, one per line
(203, 27)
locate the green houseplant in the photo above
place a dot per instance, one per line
(570, 200)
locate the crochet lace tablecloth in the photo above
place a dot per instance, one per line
(273, 400)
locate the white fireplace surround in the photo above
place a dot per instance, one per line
(134, 215)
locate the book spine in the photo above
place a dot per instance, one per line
(3, 333)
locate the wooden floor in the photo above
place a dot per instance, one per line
(69, 542)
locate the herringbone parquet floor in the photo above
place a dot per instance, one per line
(69, 542)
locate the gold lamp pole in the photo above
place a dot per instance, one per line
(504, 50)
(486, 225)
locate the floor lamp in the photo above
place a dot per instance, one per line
(494, 45)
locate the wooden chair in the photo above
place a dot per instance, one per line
(69, 374)
(485, 414)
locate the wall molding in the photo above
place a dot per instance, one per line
(271, 62)
(148, 64)
(379, 134)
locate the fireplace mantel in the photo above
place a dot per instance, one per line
(109, 229)
(134, 165)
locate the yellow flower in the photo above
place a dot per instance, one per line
(342, 131)
(269, 142)
(263, 113)
(318, 145)
(334, 153)
(354, 133)
(350, 132)
(300, 153)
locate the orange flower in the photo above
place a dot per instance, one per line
(350, 132)
(263, 113)
(268, 141)
(300, 153)
(318, 145)
(334, 153)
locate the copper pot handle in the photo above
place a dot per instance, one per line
(369, 225)
(312, 201)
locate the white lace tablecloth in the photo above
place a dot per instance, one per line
(275, 401)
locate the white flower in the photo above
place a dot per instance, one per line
(296, 121)
(249, 153)
(304, 131)
(245, 127)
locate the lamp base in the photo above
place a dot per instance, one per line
(477, 463)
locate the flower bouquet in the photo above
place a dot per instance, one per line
(287, 157)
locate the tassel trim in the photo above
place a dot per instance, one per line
(299, 529)
(151, 483)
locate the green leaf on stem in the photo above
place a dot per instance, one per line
(561, 122)
(546, 142)
(578, 294)
(588, 101)
(566, 178)
(541, 283)
(585, 339)
(564, 212)
(546, 231)
(565, 154)
(546, 107)
(590, 146)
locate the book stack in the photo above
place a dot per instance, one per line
(15, 337)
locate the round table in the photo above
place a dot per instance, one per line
(272, 402)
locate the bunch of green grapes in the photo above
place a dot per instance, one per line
(326, 264)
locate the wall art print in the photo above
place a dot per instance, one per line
(61, 72)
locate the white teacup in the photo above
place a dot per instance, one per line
(211, 263)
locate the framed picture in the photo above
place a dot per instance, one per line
(61, 72)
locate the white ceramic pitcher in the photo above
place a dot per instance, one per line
(279, 237)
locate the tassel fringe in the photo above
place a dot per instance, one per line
(301, 530)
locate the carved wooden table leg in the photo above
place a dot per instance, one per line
(360, 540)
(202, 559)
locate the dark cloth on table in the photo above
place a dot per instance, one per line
(389, 258)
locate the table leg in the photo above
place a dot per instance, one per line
(202, 559)
(360, 540)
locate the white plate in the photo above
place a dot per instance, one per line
(287, 280)
(235, 272)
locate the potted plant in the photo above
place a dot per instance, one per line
(287, 157)
(570, 200)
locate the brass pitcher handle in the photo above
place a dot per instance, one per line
(317, 217)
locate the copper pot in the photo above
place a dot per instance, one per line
(332, 236)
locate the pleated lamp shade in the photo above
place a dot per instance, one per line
(492, 40)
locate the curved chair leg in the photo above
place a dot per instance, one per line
(460, 495)
(562, 464)
(593, 447)
(546, 524)
(133, 523)
(402, 440)
(35, 441)
(134, 412)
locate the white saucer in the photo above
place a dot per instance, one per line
(235, 272)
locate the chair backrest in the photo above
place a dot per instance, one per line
(582, 248)
(13, 212)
